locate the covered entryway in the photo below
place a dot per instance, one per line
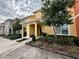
(31, 29)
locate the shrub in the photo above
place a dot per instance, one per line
(43, 34)
(66, 40)
(46, 38)
(50, 39)
(61, 39)
(42, 38)
(12, 36)
(15, 36)
(61, 42)
(6, 36)
(76, 41)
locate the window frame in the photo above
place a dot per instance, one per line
(61, 29)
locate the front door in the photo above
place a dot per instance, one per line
(24, 33)
(9, 31)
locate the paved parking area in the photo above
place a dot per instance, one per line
(25, 51)
(28, 52)
(6, 43)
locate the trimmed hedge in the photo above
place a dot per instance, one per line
(15, 36)
(12, 37)
(76, 42)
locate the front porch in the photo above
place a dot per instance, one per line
(29, 29)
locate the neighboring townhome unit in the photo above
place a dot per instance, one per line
(30, 24)
(1, 28)
(8, 27)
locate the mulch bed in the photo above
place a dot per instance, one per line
(71, 51)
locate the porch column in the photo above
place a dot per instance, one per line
(36, 29)
(12, 31)
(22, 31)
(28, 30)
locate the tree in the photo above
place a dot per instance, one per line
(55, 13)
(16, 25)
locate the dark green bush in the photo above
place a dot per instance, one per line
(42, 38)
(6, 36)
(43, 34)
(66, 40)
(50, 39)
(61, 39)
(15, 36)
(76, 42)
(12, 36)
(46, 38)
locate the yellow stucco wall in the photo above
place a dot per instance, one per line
(37, 16)
(32, 29)
(30, 19)
(48, 30)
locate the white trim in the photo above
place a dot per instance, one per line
(22, 31)
(69, 31)
(62, 33)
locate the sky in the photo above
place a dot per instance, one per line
(10, 9)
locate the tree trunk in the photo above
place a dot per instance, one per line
(54, 29)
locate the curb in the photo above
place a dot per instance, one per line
(56, 51)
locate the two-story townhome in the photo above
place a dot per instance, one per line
(31, 26)
(8, 27)
(1, 28)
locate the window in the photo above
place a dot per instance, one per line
(62, 30)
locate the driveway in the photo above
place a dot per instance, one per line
(26, 52)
